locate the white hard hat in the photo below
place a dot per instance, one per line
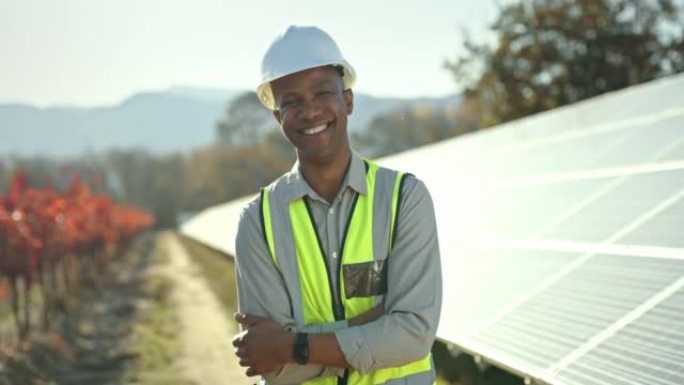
(299, 49)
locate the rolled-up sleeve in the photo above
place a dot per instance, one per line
(262, 292)
(413, 300)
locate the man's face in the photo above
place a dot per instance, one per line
(312, 111)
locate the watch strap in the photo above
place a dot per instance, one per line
(300, 351)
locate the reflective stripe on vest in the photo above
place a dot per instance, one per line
(361, 276)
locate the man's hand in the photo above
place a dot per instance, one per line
(264, 346)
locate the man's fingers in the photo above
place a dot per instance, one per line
(237, 339)
(241, 352)
(252, 372)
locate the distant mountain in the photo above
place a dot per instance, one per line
(178, 119)
(213, 95)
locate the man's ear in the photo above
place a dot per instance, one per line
(348, 100)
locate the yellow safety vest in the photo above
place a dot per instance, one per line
(356, 250)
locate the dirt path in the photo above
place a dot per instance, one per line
(206, 330)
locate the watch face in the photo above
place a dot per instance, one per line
(301, 349)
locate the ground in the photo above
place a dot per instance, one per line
(151, 320)
(161, 314)
(206, 328)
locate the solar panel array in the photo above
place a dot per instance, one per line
(562, 238)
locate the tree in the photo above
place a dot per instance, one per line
(223, 172)
(152, 182)
(556, 52)
(402, 130)
(246, 121)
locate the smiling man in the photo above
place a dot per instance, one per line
(337, 261)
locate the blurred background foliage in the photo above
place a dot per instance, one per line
(547, 53)
(555, 52)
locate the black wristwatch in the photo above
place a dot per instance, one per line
(300, 351)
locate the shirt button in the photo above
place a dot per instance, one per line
(331, 211)
(334, 254)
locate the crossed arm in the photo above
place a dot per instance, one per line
(400, 332)
(264, 346)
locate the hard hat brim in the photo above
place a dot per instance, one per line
(265, 93)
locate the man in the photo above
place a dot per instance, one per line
(337, 261)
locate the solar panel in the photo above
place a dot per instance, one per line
(560, 318)
(485, 287)
(607, 149)
(664, 229)
(649, 350)
(614, 210)
(562, 238)
(601, 183)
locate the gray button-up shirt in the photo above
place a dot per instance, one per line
(413, 301)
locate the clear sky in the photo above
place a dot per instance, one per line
(97, 52)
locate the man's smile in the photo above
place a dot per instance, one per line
(316, 129)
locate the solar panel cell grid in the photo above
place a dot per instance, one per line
(489, 278)
(607, 149)
(608, 369)
(618, 208)
(586, 301)
(665, 229)
(677, 153)
(519, 212)
(650, 350)
(644, 144)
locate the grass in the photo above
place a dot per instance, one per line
(154, 337)
(217, 268)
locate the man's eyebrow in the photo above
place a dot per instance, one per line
(288, 94)
(320, 84)
(325, 82)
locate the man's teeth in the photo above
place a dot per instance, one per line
(315, 130)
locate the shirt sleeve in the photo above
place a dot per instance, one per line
(330, 327)
(262, 292)
(406, 331)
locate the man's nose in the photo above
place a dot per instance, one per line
(310, 110)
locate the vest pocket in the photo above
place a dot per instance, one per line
(365, 279)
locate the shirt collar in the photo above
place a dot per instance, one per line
(354, 179)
